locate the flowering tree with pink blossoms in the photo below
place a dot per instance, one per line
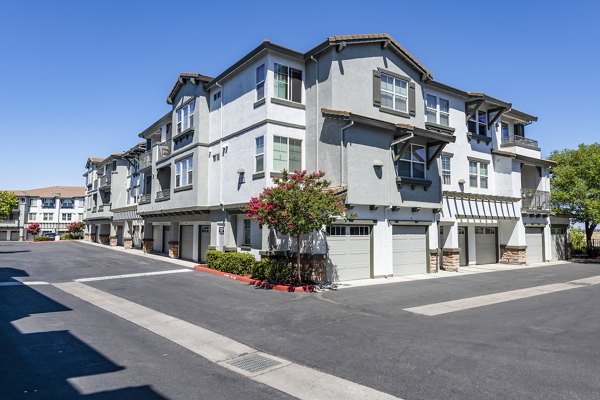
(299, 203)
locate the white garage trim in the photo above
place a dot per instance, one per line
(534, 237)
(350, 252)
(486, 245)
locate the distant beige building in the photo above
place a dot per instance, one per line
(53, 208)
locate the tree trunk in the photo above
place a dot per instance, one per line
(299, 266)
(589, 231)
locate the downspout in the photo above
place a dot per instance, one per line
(220, 145)
(342, 141)
(316, 112)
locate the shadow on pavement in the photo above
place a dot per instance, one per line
(37, 365)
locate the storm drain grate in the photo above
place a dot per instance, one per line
(253, 363)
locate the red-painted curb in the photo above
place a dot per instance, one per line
(257, 283)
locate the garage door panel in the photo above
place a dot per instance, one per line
(535, 245)
(349, 255)
(486, 247)
(409, 245)
(186, 242)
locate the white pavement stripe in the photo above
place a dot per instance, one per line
(495, 298)
(103, 278)
(294, 379)
(31, 283)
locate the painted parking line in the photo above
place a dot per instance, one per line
(124, 276)
(495, 298)
(297, 380)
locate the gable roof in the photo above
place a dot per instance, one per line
(63, 192)
(383, 38)
(191, 76)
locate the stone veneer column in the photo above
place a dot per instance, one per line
(87, 237)
(128, 243)
(433, 261)
(148, 245)
(513, 254)
(174, 249)
(451, 259)
(113, 240)
(104, 239)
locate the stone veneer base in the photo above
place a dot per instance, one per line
(513, 255)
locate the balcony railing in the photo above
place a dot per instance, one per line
(104, 207)
(145, 160)
(163, 150)
(520, 141)
(95, 184)
(535, 200)
(104, 181)
(163, 194)
(94, 209)
(144, 198)
(9, 222)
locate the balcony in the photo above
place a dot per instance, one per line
(145, 160)
(535, 200)
(49, 206)
(104, 207)
(95, 184)
(9, 222)
(104, 182)
(516, 140)
(163, 150)
(94, 209)
(163, 195)
(144, 198)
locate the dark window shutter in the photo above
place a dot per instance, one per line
(412, 108)
(376, 88)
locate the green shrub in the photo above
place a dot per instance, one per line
(67, 236)
(234, 263)
(578, 244)
(42, 239)
(274, 271)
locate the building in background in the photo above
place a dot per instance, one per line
(53, 208)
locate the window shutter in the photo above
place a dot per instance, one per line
(412, 108)
(376, 88)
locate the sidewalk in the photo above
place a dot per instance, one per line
(463, 271)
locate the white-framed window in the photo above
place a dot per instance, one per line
(477, 124)
(412, 161)
(287, 154)
(48, 216)
(33, 202)
(67, 203)
(259, 154)
(260, 82)
(67, 217)
(446, 168)
(335, 230)
(185, 116)
(478, 174)
(247, 232)
(80, 217)
(394, 93)
(437, 110)
(288, 83)
(183, 172)
(48, 203)
(31, 217)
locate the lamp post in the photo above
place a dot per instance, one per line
(58, 217)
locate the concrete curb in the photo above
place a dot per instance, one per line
(257, 283)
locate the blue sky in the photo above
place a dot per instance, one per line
(83, 78)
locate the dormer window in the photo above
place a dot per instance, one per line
(477, 124)
(185, 116)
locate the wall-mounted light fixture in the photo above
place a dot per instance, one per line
(378, 163)
(461, 181)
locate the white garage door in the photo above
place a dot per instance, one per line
(535, 245)
(409, 250)
(157, 236)
(3, 236)
(485, 245)
(559, 243)
(14, 236)
(186, 242)
(349, 250)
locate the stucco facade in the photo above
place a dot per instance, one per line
(365, 111)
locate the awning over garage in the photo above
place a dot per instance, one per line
(462, 205)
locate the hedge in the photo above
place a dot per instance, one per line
(42, 239)
(244, 264)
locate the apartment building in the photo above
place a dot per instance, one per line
(53, 208)
(112, 192)
(438, 177)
